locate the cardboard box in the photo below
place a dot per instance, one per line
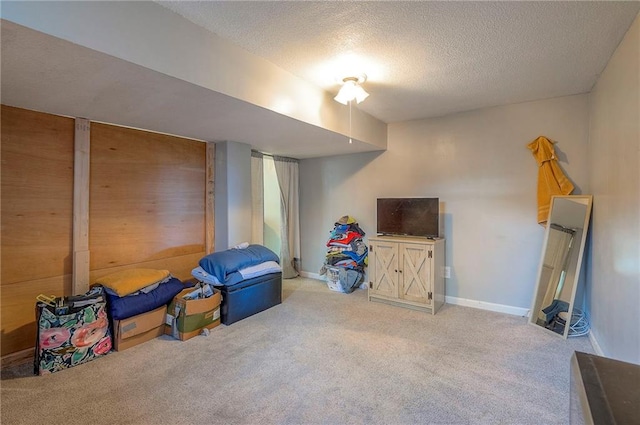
(138, 329)
(186, 318)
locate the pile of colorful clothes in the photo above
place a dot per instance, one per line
(346, 250)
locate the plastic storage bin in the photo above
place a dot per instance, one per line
(333, 279)
(344, 280)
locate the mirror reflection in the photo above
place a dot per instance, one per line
(560, 264)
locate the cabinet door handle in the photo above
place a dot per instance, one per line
(400, 271)
(396, 270)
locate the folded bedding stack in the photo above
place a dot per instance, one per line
(347, 255)
(135, 291)
(249, 278)
(232, 266)
(137, 302)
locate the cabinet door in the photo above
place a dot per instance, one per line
(383, 267)
(415, 273)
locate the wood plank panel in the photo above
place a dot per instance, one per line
(37, 195)
(147, 197)
(18, 310)
(147, 209)
(18, 358)
(179, 266)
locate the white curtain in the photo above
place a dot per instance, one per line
(287, 172)
(257, 198)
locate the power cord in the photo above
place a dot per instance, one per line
(579, 325)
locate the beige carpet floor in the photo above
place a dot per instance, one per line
(320, 357)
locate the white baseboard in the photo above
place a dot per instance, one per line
(595, 345)
(500, 308)
(311, 275)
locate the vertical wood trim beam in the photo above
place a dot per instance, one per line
(209, 198)
(81, 164)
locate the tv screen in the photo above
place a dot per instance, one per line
(408, 216)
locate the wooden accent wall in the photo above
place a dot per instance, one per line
(146, 209)
(37, 217)
(146, 203)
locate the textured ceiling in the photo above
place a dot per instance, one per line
(427, 59)
(423, 59)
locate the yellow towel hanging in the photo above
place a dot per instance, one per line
(551, 179)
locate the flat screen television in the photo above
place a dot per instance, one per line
(408, 216)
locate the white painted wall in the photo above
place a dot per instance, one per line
(613, 289)
(478, 165)
(232, 194)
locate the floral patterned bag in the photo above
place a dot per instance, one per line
(71, 331)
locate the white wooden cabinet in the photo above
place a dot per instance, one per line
(407, 271)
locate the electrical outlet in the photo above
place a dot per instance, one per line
(447, 272)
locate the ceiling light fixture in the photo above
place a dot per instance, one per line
(352, 89)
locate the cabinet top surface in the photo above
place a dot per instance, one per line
(406, 239)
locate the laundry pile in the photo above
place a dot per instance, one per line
(346, 256)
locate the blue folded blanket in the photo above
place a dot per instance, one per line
(122, 308)
(224, 264)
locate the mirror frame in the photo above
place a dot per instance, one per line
(586, 200)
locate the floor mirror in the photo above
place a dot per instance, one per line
(560, 263)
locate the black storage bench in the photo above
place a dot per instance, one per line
(249, 297)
